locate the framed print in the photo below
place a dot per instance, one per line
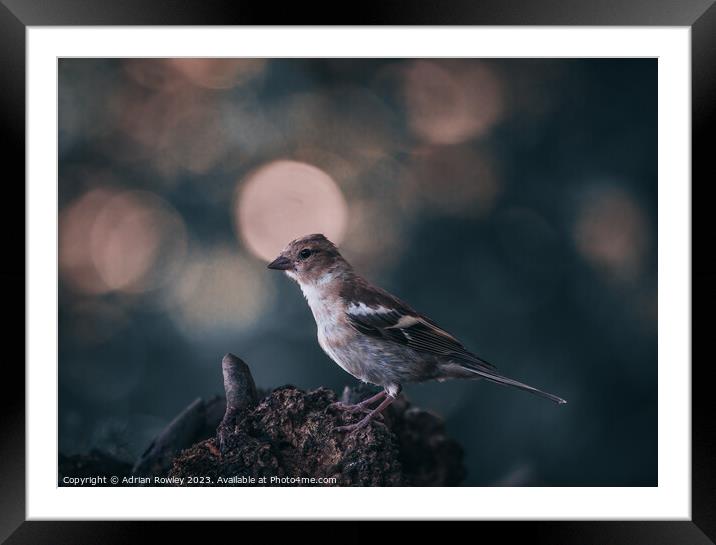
(434, 267)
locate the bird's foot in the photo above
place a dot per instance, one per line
(352, 409)
(358, 425)
(363, 406)
(375, 413)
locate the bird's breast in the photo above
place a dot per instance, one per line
(329, 314)
(335, 335)
(332, 330)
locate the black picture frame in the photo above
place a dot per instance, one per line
(16, 15)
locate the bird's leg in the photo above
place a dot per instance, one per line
(372, 399)
(370, 416)
(363, 406)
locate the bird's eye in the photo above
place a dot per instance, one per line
(305, 253)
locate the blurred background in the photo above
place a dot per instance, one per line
(513, 201)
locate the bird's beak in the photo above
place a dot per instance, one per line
(281, 263)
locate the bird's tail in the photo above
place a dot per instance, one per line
(492, 376)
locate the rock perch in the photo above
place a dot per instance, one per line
(289, 438)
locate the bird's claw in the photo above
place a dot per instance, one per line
(347, 407)
(351, 427)
(377, 418)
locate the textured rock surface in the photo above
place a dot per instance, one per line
(291, 434)
(274, 438)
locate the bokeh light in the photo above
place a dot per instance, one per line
(219, 291)
(171, 113)
(611, 232)
(284, 200)
(452, 179)
(218, 73)
(208, 73)
(175, 129)
(450, 102)
(348, 121)
(130, 241)
(75, 253)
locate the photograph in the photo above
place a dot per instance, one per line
(427, 262)
(372, 272)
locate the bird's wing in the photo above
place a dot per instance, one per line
(383, 316)
(388, 318)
